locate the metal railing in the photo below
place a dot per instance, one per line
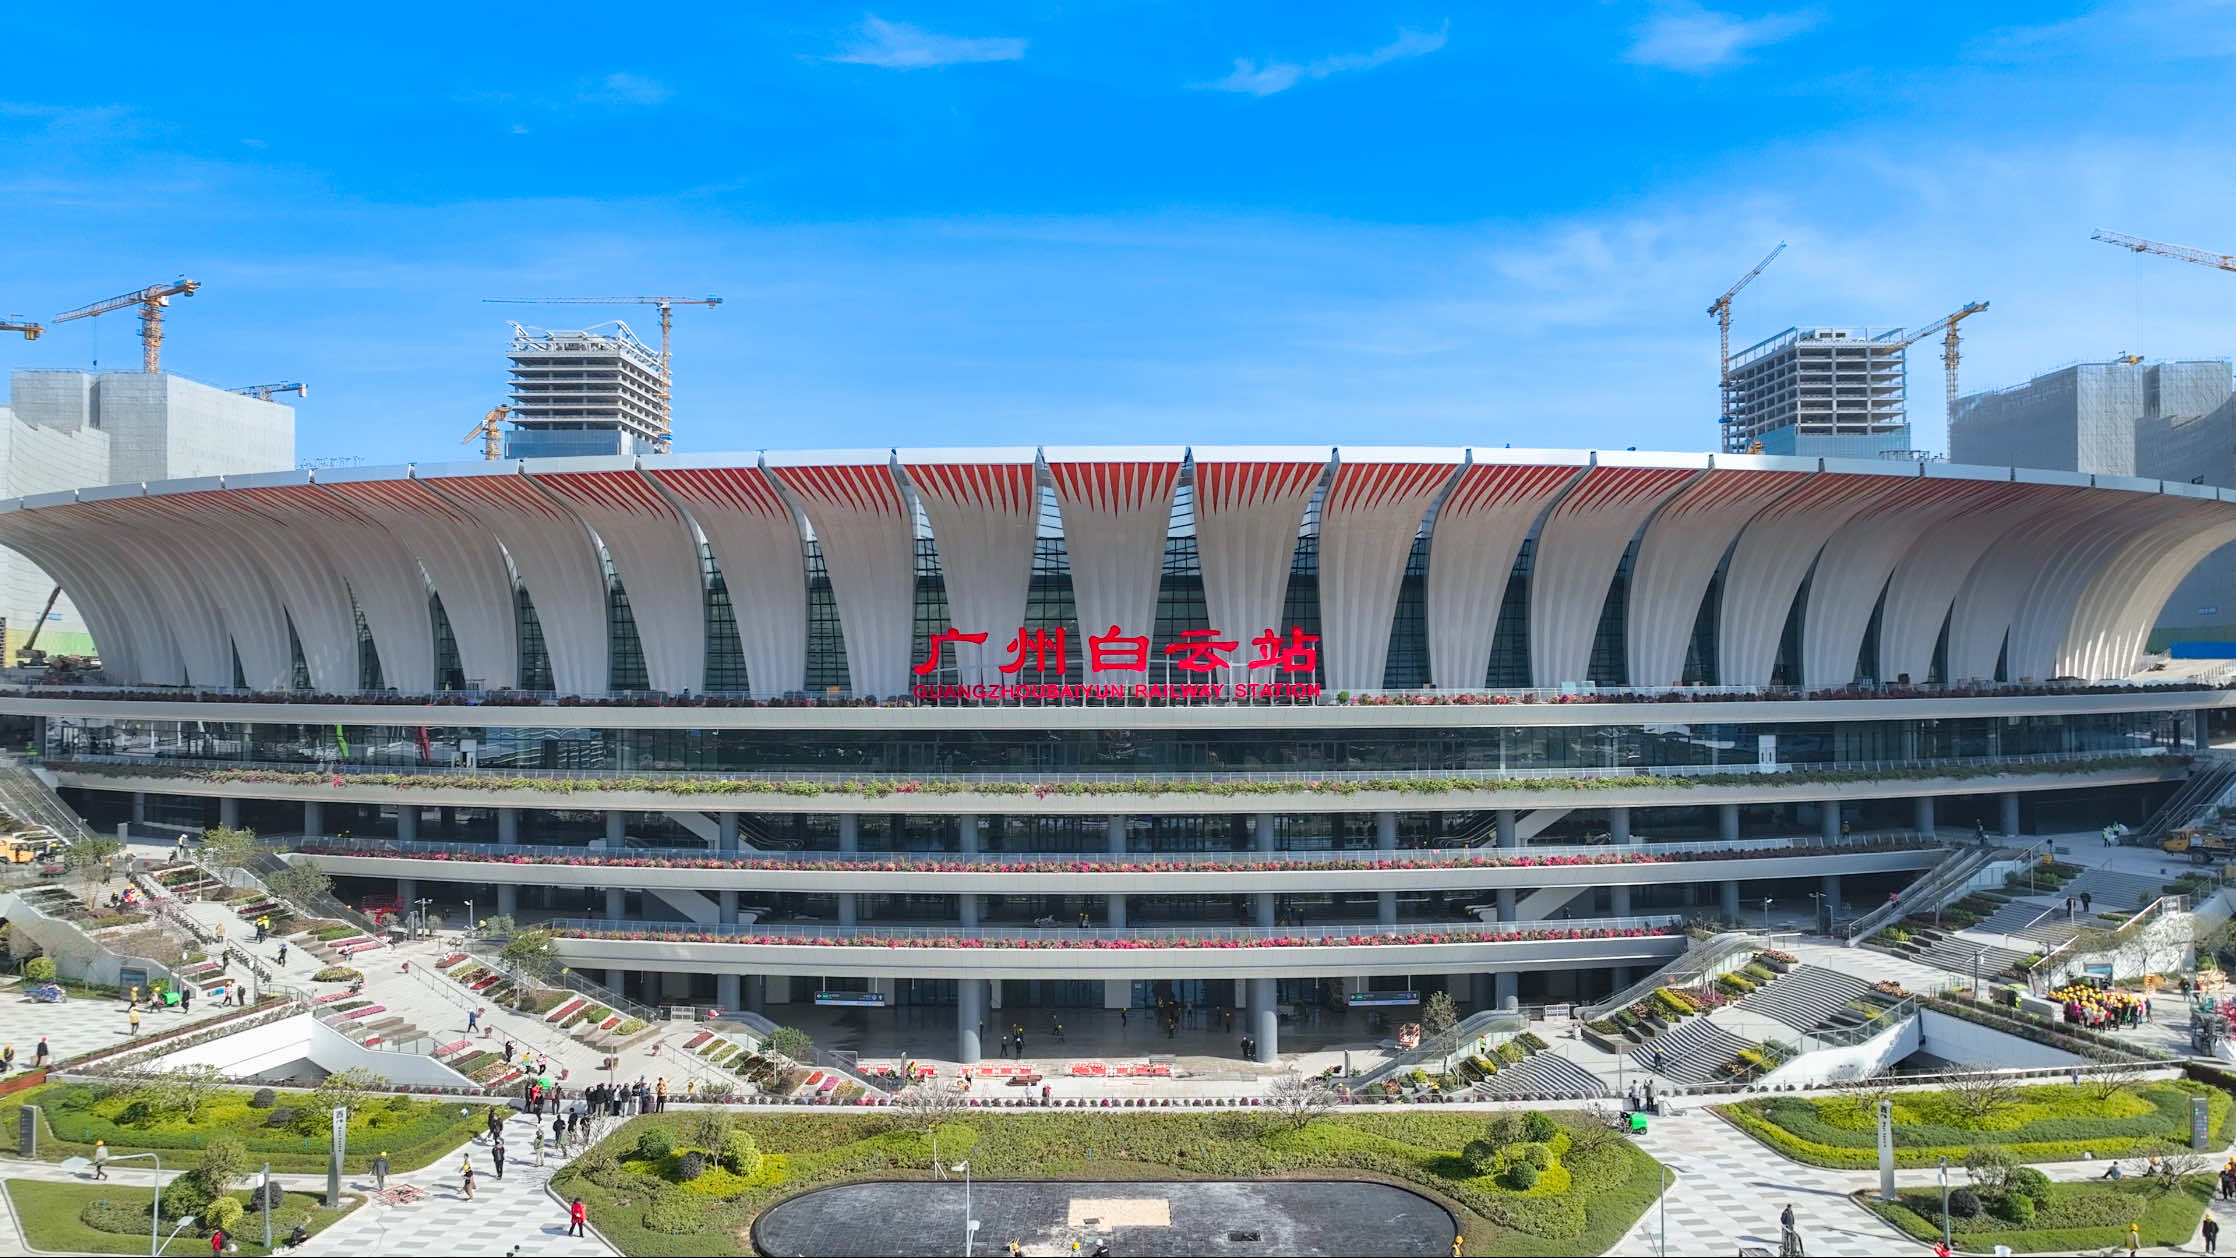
(490, 952)
(1528, 856)
(1926, 894)
(1522, 932)
(2042, 973)
(1438, 1047)
(24, 795)
(1696, 965)
(1847, 770)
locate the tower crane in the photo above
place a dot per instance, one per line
(1947, 327)
(1720, 310)
(666, 306)
(151, 301)
(491, 430)
(14, 323)
(2182, 253)
(264, 392)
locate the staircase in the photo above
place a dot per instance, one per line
(1693, 1051)
(1948, 950)
(1935, 887)
(2109, 890)
(1544, 1074)
(1809, 997)
(2207, 782)
(28, 797)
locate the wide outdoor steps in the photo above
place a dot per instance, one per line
(1809, 996)
(1544, 1074)
(2111, 890)
(1693, 1051)
(1954, 953)
(2040, 920)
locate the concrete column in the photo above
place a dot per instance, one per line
(617, 828)
(1731, 900)
(1618, 825)
(726, 913)
(1116, 836)
(1831, 890)
(1385, 832)
(846, 908)
(228, 811)
(508, 826)
(1923, 818)
(726, 832)
(1828, 820)
(756, 991)
(615, 980)
(967, 909)
(966, 827)
(1619, 975)
(407, 891)
(508, 899)
(1117, 910)
(728, 992)
(1385, 907)
(1506, 899)
(850, 832)
(617, 903)
(1506, 835)
(1265, 908)
(1727, 822)
(1618, 901)
(407, 821)
(970, 1015)
(1265, 834)
(1506, 989)
(314, 817)
(140, 806)
(1265, 1021)
(2010, 802)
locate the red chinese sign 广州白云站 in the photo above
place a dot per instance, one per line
(1199, 652)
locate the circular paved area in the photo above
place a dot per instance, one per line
(1304, 1217)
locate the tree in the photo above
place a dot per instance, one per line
(529, 948)
(39, 969)
(343, 1087)
(2103, 1085)
(927, 1106)
(86, 857)
(1439, 1014)
(497, 925)
(791, 1042)
(1990, 1166)
(2177, 1163)
(710, 1129)
(1980, 1093)
(224, 1161)
(301, 885)
(184, 1089)
(1298, 1099)
(1865, 1094)
(226, 848)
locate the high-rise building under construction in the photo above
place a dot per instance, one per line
(595, 391)
(1825, 392)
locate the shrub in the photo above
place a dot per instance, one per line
(108, 1216)
(2015, 1209)
(740, 1156)
(185, 1195)
(654, 1145)
(224, 1212)
(1521, 1176)
(2025, 1181)
(675, 1214)
(39, 969)
(792, 1042)
(262, 1098)
(281, 1116)
(690, 1166)
(1964, 1204)
(1990, 1167)
(1539, 1127)
(1535, 1154)
(1481, 1156)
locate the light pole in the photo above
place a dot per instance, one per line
(1978, 955)
(1943, 1175)
(155, 1208)
(1766, 919)
(970, 1225)
(1661, 1203)
(469, 917)
(421, 904)
(1817, 908)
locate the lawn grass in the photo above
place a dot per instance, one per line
(2048, 1123)
(48, 1213)
(1583, 1204)
(414, 1131)
(2079, 1217)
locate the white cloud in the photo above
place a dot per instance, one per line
(899, 46)
(629, 89)
(1686, 37)
(1279, 76)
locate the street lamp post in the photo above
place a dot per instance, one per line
(970, 1225)
(421, 904)
(469, 917)
(155, 1208)
(1817, 908)
(1766, 919)
(1978, 955)
(1944, 1178)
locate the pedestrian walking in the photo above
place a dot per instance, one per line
(2134, 1238)
(2212, 1234)
(283, 952)
(39, 1055)
(473, 1019)
(100, 1159)
(466, 1179)
(1789, 1237)
(219, 1240)
(7, 1059)
(508, 1052)
(496, 1126)
(576, 1217)
(2087, 898)
(662, 1090)
(186, 1000)
(380, 1171)
(497, 1158)
(536, 1146)
(135, 1012)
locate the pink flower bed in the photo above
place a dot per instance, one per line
(1057, 941)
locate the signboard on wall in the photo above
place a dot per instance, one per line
(1202, 665)
(851, 1000)
(1367, 1000)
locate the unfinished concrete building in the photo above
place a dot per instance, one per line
(595, 391)
(1827, 392)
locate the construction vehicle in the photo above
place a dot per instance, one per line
(2204, 846)
(151, 301)
(1720, 310)
(667, 307)
(1947, 327)
(28, 654)
(491, 430)
(28, 847)
(15, 323)
(264, 392)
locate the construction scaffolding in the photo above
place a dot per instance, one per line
(598, 390)
(1818, 391)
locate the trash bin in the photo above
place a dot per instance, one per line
(1637, 1123)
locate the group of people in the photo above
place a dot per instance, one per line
(8, 1057)
(2102, 1008)
(622, 1099)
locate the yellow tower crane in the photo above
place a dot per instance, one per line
(491, 430)
(1946, 325)
(1720, 310)
(31, 331)
(151, 301)
(667, 307)
(265, 392)
(2181, 253)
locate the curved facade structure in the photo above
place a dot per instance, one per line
(1245, 728)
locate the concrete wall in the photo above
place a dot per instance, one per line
(77, 955)
(304, 1037)
(1832, 1066)
(1954, 1039)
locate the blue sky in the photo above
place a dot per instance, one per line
(1422, 224)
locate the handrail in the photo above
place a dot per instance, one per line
(1520, 932)
(1474, 1026)
(2038, 974)
(1686, 969)
(1930, 889)
(1645, 852)
(187, 766)
(491, 952)
(38, 802)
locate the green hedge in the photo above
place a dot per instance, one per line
(1582, 1203)
(414, 1131)
(2079, 1218)
(2049, 1123)
(53, 1217)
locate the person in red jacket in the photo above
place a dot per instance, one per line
(576, 1217)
